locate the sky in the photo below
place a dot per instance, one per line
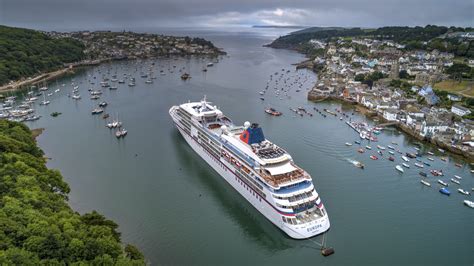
(130, 14)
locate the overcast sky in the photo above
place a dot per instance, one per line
(128, 14)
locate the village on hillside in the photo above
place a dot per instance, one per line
(398, 86)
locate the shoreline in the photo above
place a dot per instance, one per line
(400, 126)
(69, 69)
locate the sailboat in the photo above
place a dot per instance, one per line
(44, 102)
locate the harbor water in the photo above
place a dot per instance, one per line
(177, 210)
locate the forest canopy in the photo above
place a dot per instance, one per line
(37, 226)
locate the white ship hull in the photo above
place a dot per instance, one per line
(226, 170)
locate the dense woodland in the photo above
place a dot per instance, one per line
(37, 226)
(24, 53)
(428, 38)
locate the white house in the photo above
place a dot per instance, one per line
(430, 128)
(390, 114)
(459, 110)
(454, 97)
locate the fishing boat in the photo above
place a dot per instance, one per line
(368, 147)
(469, 203)
(373, 157)
(457, 177)
(423, 174)
(425, 183)
(272, 111)
(444, 191)
(455, 181)
(405, 159)
(406, 165)
(419, 165)
(464, 192)
(399, 168)
(391, 158)
(442, 182)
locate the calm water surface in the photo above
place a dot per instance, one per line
(177, 210)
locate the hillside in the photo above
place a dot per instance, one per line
(429, 37)
(37, 226)
(24, 53)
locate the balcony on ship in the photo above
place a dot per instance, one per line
(281, 174)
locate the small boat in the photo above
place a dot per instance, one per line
(464, 192)
(121, 133)
(380, 147)
(436, 172)
(444, 191)
(411, 155)
(442, 182)
(394, 143)
(97, 111)
(457, 177)
(390, 147)
(458, 165)
(430, 153)
(418, 160)
(373, 157)
(348, 144)
(272, 111)
(406, 165)
(359, 164)
(425, 183)
(361, 150)
(357, 142)
(399, 168)
(103, 104)
(105, 116)
(76, 97)
(455, 181)
(419, 165)
(95, 97)
(443, 159)
(431, 159)
(210, 64)
(469, 203)
(55, 114)
(391, 158)
(441, 150)
(391, 152)
(423, 174)
(427, 163)
(405, 159)
(113, 87)
(380, 152)
(185, 76)
(368, 147)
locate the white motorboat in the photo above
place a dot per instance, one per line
(464, 192)
(399, 168)
(405, 159)
(425, 183)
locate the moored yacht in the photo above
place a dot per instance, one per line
(262, 172)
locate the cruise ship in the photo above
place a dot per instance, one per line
(262, 172)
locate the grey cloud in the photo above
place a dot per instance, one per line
(96, 14)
